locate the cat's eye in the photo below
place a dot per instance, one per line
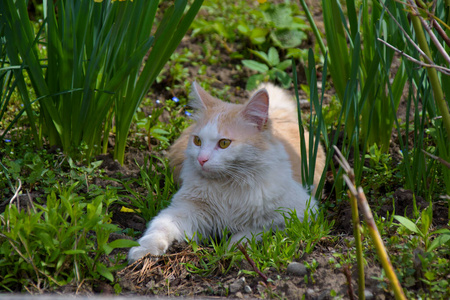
(224, 143)
(197, 141)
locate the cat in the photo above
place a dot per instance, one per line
(238, 165)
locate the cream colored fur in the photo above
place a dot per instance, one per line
(242, 187)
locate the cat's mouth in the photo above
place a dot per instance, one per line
(207, 172)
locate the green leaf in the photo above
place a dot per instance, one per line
(280, 15)
(123, 243)
(254, 81)
(262, 55)
(160, 131)
(258, 35)
(103, 270)
(74, 251)
(254, 65)
(243, 29)
(284, 65)
(287, 38)
(439, 241)
(408, 224)
(273, 57)
(427, 217)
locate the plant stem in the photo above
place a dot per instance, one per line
(252, 263)
(379, 246)
(432, 74)
(373, 230)
(358, 245)
(313, 27)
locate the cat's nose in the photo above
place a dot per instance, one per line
(202, 160)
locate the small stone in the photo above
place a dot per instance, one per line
(310, 292)
(368, 295)
(237, 285)
(297, 269)
(239, 295)
(248, 289)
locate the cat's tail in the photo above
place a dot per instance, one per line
(279, 99)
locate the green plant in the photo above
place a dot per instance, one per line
(423, 255)
(157, 180)
(269, 24)
(272, 69)
(152, 126)
(58, 243)
(276, 248)
(312, 267)
(92, 69)
(442, 236)
(286, 27)
(218, 260)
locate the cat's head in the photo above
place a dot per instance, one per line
(228, 139)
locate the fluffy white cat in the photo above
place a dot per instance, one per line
(238, 164)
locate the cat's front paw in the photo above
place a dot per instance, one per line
(149, 245)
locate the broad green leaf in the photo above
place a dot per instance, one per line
(243, 29)
(439, 241)
(442, 230)
(288, 38)
(262, 55)
(254, 65)
(284, 65)
(258, 35)
(408, 224)
(123, 243)
(103, 270)
(280, 15)
(273, 57)
(254, 81)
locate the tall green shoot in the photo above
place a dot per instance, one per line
(92, 71)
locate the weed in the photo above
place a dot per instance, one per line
(218, 260)
(272, 69)
(312, 267)
(58, 243)
(157, 181)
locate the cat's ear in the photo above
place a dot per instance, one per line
(257, 109)
(200, 99)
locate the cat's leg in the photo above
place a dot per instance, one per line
(172, 224)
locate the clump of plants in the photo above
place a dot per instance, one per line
(64, 241)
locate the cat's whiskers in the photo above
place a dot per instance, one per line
(241, 176)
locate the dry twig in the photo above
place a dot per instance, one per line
(252, 263)
(371, 225)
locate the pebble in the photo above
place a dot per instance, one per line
(310, 292)
(248, 289)
(368, 295)
(237, 285)
(297, 269)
